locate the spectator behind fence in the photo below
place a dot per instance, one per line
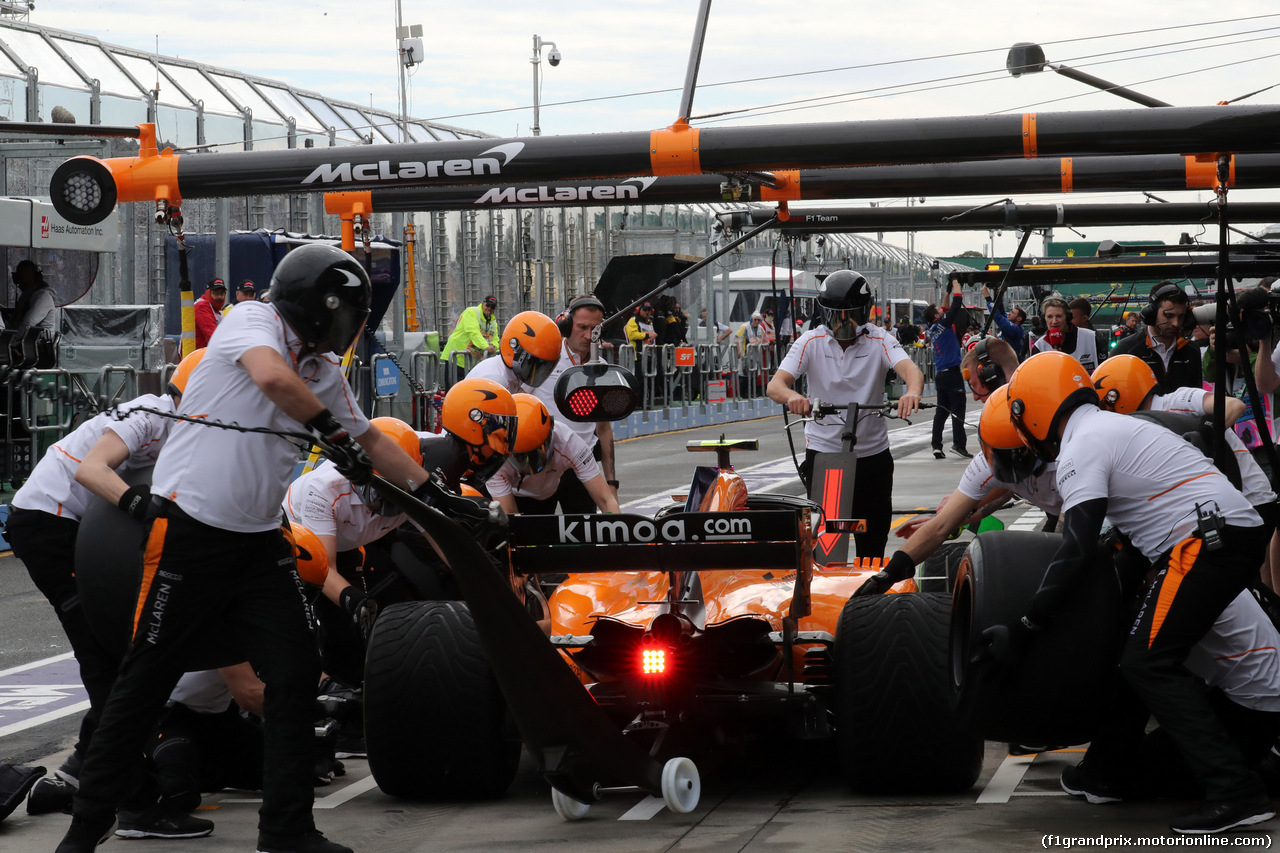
(1008, 324)
(208, 311)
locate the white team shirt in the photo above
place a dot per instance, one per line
(52, 486)
(1253, 480)
(1040, 489)
(1240, 655)
(325, 502)
(496, 369)
(1086, 351)
(236, 480)
(546, 392)
(205, 692)
(843, 376)
(1151, 479)
(568, 452)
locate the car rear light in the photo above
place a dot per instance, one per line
(654, 662)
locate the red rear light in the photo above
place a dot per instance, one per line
(654, 662)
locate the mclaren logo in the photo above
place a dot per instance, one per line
(487, 163)
(641, 530)
(626, 190)
(352, 281)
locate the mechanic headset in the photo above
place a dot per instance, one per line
(1166, 291)
(989, 373)
(565, 323)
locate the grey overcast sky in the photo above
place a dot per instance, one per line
(896, 59)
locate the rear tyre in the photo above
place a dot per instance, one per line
(1059, 686)
(895, 731)
(435, 719)
(938, 574)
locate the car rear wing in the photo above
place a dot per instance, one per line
(677, 542)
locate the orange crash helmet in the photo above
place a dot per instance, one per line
(482, 415)
(1043, 391)
(1009, 457)
(1123, 383)
(181, 375)
(530, 346)
(402, 434)
(310, 554)
(532, 449)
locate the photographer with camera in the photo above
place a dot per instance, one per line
(1164, 347)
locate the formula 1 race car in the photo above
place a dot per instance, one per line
(707, 624)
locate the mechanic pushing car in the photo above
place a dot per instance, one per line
(215, 554)
(845, 360)
(529, 350)
(1206, 542)
(1005, 466)
(479, 427)
(546, 450)
(44, 519)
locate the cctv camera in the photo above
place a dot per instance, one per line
(554, 56)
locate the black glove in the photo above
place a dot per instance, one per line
(899, 568)
(135, 501)
(341, 449)
(1003, 643)
(362, 609)
(433, 494)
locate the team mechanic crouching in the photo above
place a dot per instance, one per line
(216, 562)
(845, 359)
(1185, 517)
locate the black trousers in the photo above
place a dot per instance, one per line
(1187, 596)
(201, 583)
(951, 393)
(872, 498)
(46, 545)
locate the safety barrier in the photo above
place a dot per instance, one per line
(43, 411)
(380, 400)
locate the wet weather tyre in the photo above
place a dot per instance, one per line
(435, 720)
(938, 574)
(895, 730)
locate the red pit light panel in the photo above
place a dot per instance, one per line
(654, 662)
(582, 402)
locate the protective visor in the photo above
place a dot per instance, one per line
(844, 324)
(533, 371)
(1011, 465)
(535, 460)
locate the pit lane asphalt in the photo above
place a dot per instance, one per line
(782, 797)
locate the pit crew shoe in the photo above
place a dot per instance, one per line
(159, 822)
(50, 795)
(938, 454)
(960, 451)
(312, 842)
(1225, 814)
(1076, 782)
(84, 835)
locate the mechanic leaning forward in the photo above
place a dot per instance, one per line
(215, 551)
(845, 360)
(1206, 542)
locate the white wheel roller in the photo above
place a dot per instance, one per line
(568, 808)
(681, 785)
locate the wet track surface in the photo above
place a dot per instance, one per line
(782, 796)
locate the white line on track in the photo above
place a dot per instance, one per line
(35, 664)
(337, 798)
(644, 809)
(1006, 779)
(32, 722)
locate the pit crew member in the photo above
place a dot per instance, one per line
(44, 518)
(545, 451)
(529, 349)
(845, 360)
(215, 554)
(1183, 515)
